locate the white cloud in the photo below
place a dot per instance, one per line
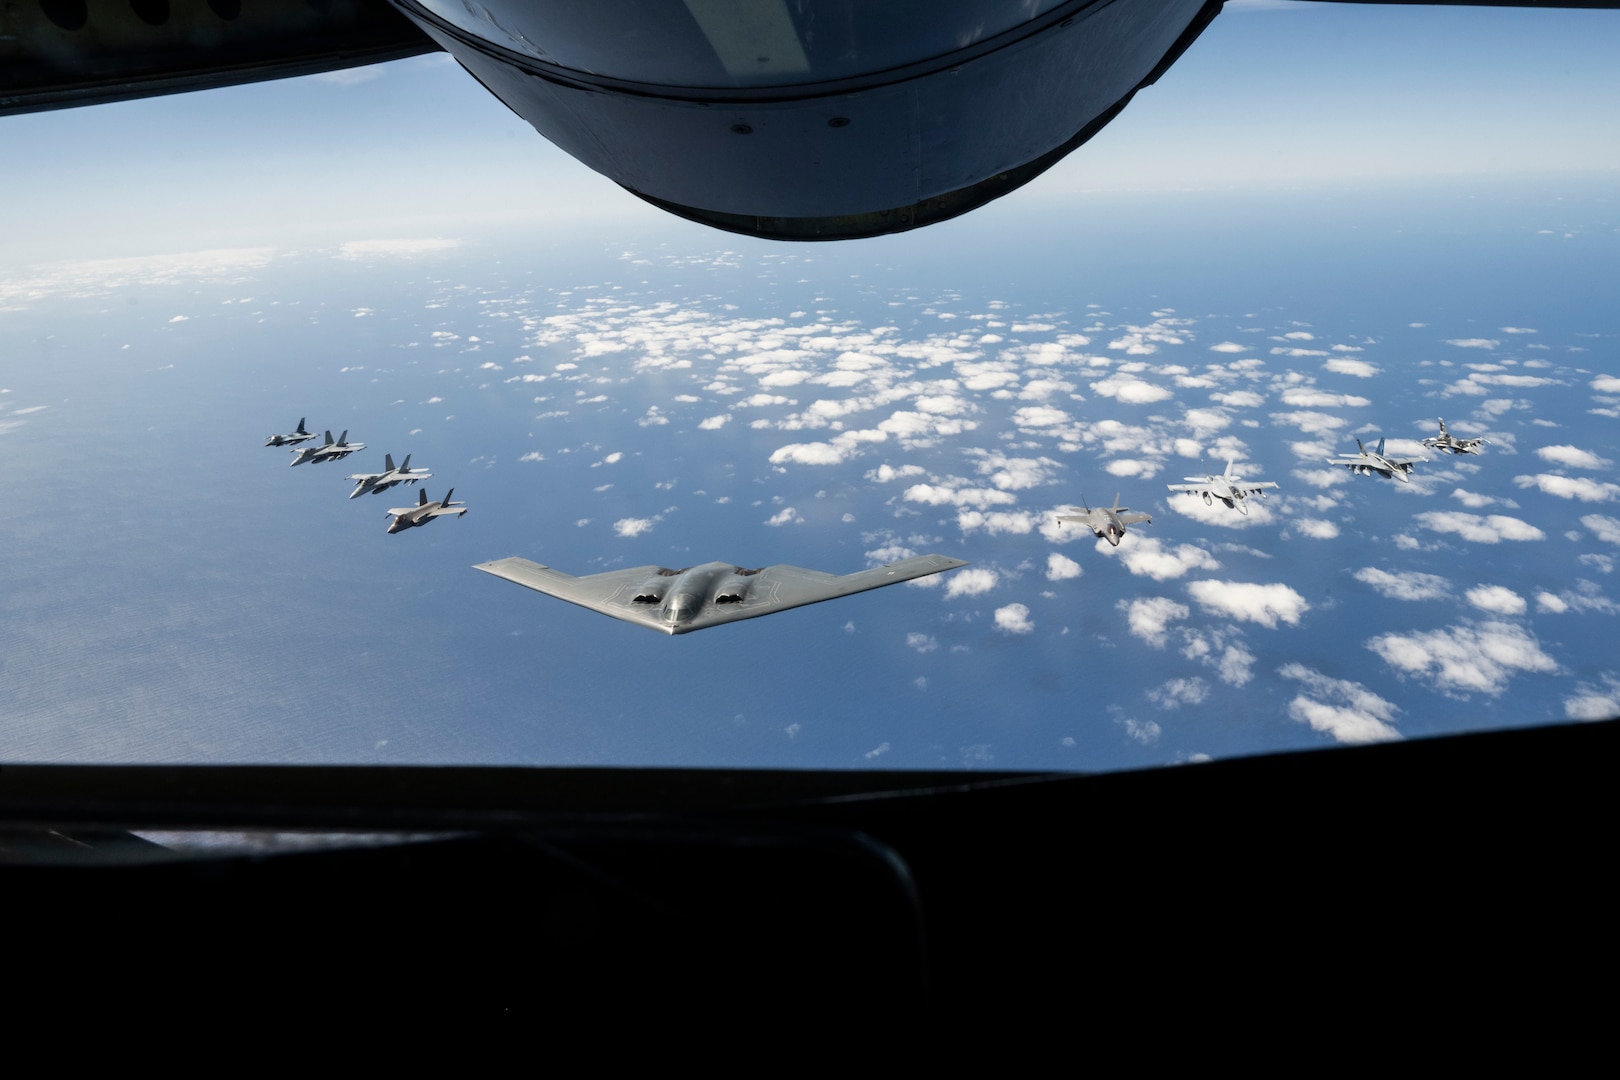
(788, 516)
(1228, 347)
(1408, 586)
(533, 455)
(816, 453)
(633, 526)
(1570, 487)
(180, 318)
(1145, 556)
(1358, 368)
(923, 643)
(1607, 384)
(1572, 457)
(1178, 692)
(1346, 710)
(884, 473)
(1308, 397)
(1250, 602)
(1217, 513)
(1516, 330)
(1014, 619)
(973, 581)
(1129, 390)
(1479, 530)
(1316, 528)
(715, 423)
(1496, 599)
(1606, 529)
(1222, 649)
(404, 248)
(1149, 617)
(1462, 659)
(1473, 343)
(1594, 702)
(1061, 567)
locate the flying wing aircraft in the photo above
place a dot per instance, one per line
(810, 120)
(328, 451)
(376, 483)
(1108, 522)
(1446, 441)
(425, 510)
(698, 597)
(293, 438)
(1373, 461)
(1228, 487)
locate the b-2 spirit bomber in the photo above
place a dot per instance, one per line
(1108, 522)
(698, 597)
(1228, 487)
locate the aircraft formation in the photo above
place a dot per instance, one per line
(404, 517)
(1233, 491)
(679, 601)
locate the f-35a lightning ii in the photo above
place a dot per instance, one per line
(425, 510)
(1228, 487)
(1446, 441)
(293, 438)
(329, 451)
(698, 597)
(376, 483)
(1373, 461)
(1108, 522)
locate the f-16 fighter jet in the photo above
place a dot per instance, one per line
(1108, 522)
(1228, 487)
(698, 597)
(1446, 441)
(292, 439)
(1373, 461)
(376, 483)
(330, 451)
(425, 510)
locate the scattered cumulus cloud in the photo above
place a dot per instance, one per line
(1250, 602)
(1344, 710)
(1014, 619)
(1459, 660)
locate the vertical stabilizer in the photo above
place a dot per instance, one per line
(1229, 463)
(447, 495)
(299, 430)
(1380, 450)
(343, 439)
(404, 466)
(329, 436)
(388, 462)
(421, 497)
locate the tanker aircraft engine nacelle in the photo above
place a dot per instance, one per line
(815, 119)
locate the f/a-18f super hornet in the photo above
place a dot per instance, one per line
(1373, 461)
(425, 510)
(376, 483)
(1447, 441)
(328, 451)
(293, 438)
(1228, 487)
(1108, 522)
(698, 597)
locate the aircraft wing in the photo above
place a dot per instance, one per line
(447, 510)
(1190, 489)
(773, 589)
(1079, 517)
(1257, 486)
(1135, 519)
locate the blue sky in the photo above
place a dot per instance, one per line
(1272, 95)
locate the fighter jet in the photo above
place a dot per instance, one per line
(425, 510)
(1228, 487)
(1373, 461)
(292, 439)
(329, 451)
(1108, 522)
(1446, 441)
(376, 483)
(698, 597)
